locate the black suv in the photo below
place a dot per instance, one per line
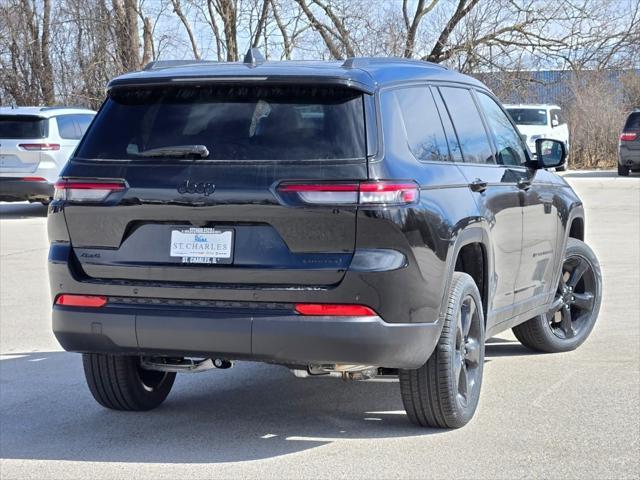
(377, 216)
(629, 145)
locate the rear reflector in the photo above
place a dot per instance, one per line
(40, 147)
(85, 191)
(333, 310)
(33, 179)
(361, 193)
(88, 301)
(628, 137)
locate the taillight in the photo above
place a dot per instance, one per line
(86, 191)
(87, 301)
(334, 310)
(628, 136)
(39, 146)
(33, 179)
(354, 193)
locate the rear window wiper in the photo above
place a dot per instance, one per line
(200, 151)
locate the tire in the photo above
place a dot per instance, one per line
(568, 322)
(119, 383)
(623, 170)
(432, 394)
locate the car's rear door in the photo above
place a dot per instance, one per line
(223, 218)
(496, 193)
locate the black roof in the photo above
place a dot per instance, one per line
(366, 74)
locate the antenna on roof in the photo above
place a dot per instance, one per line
(253, 57)
(353, 62)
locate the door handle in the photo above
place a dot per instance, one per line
(524, 184)
(478, 185)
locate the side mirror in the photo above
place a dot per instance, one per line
(550, 153)
(555, 122)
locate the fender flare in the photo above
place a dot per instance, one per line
(577, 211)
(475, 233)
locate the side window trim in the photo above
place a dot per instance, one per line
(487, 127)
(488, 134)
(491, 134)
(441, 105)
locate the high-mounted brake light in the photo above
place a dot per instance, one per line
(361, 193)
(628, 136)
(85, 191)
(334, 310)
(87, 301)
(39, 147)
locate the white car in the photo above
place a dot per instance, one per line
(540, 121)
(35, 143)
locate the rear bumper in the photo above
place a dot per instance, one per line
(18, 190)
(258, 335)
(629, 158)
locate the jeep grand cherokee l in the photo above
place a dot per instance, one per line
(339, 218)
(35, 143)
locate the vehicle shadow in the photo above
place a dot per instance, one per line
(252, 411)
(595, 174)
(14, 211)
(501, 347)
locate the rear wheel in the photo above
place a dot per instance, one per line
(444, 392)
(623, 170)
(120, 383)
(575, 308)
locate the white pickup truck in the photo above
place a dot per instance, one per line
(540, 121)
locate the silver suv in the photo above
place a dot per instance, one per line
(35, 143)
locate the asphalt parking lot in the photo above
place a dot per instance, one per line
(555, 416)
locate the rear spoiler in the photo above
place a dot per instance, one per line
(319, 80)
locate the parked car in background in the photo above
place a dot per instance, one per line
(349, 219)
(540, 121)
(35, 143)
(629, 145)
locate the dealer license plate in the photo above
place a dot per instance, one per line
(202, 245)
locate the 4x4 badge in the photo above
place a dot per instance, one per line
(206, 188)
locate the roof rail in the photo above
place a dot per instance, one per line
(253, 57)
(360, 62)
(160, 64)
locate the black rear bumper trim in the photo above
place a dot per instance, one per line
(242, 335)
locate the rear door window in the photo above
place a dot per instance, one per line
(468, 124)
(422, 126)
(633, 122)
(234, 122)
(506, 138)
(67, 127)
(23, 126)
(72, 127)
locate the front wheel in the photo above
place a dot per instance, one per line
(575, 309)
(444, 392)
(120, 382)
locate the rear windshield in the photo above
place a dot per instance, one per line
(633, 122)
(232, 122)
(22, 126)
(528, 116)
